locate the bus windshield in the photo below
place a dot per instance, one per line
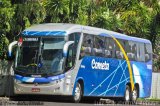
(40, 56)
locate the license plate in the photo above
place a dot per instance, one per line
(35, 89)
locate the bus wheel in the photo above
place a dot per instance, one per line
(134, 95)
(127, 96)
(77, 93)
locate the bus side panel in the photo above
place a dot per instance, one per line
(109, 80)
(143, 76)
(114, 81)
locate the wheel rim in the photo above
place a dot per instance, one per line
(134, 95)
(77, 92)
(127, 96)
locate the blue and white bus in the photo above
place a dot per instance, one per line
(81, 61)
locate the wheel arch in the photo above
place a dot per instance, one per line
(81, 82)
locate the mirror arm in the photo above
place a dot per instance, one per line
(11, 46)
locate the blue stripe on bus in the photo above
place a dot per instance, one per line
(38, 80)
(44, 33)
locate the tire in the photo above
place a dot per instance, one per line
(134, 95)
(77, 93)
(127, 95)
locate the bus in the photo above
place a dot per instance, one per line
(81, 61)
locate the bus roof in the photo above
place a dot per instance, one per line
(63, 29)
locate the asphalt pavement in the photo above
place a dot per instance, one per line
(61, 101)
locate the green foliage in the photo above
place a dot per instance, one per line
(6, 14)
(57, 10)
(26, 15)
(3, 46)
(16, 17)
(137, 20)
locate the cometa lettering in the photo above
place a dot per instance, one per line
(100, 65)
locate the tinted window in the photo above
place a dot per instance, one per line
(87, 45)
(131, 49)
(70, 61)
(140, 52)
(109, 48)
(119, 53)
(148, 52)
(74, 37)
(99, 46)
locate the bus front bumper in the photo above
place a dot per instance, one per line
(53, 88)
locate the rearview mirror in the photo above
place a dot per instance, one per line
(10, 55)
(65, 48)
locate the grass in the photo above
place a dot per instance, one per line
(149, 99)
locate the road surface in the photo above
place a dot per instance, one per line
(61, 101)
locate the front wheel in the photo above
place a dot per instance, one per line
(77, 93)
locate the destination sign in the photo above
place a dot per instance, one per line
(30, 39)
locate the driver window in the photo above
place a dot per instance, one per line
(70, 58)
(72, 50)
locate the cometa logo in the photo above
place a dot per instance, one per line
(100, 65)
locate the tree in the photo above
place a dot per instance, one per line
(15, 17)
(6, 15)
(77, 11)
(57, 11)
(26, 14)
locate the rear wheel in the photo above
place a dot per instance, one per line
(134, 95)
(77, 93)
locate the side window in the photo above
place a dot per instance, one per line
(131, 49)
(70, 58)
(107, 52)
(140, 52)
(74, 37)
(111, 47)
(148, 52)
(87, 45)
(99, 47)
(71, 37)
(118, 52)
